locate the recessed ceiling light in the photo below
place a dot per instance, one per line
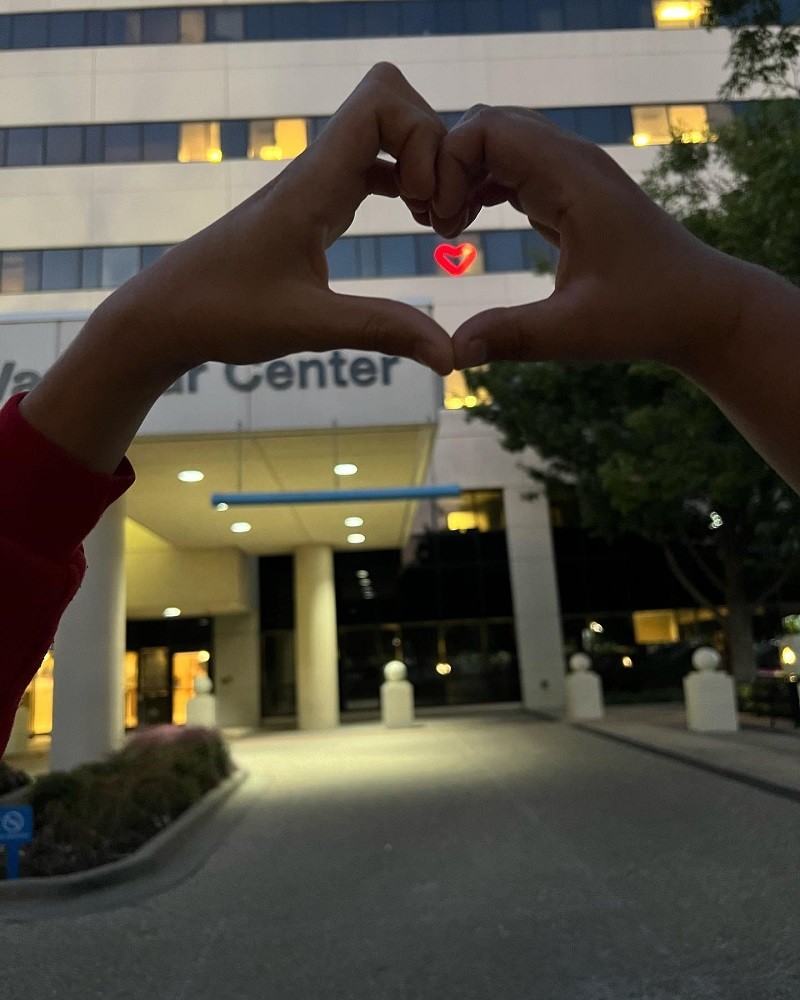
(222, 506)
(190, 476)
(172, 612)
(356, 538)
(353, 522)
(362, 574)
(240, 527)
(345, 469)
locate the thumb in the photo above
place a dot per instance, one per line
(373, 324)
(537, 331)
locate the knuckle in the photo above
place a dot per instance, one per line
(387, 73)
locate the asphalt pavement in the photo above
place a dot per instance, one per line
(486, 856)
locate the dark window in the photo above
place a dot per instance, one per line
(21, 271)
(291, 20)
(93, 139)
(258, 22)
(329, 20)
(160, 27)
(380, 20)
(64, 144)
(425, 244)
(547, 15)
(623, 123)
(450, 17)
(596, 124)
(368, 255)
(342, 259)
(192, 25)
(503, 252)
(123, 143)
(92, 268)
(153, 253)
(628, 14)
(563, 117)
(482, 16)
(234, 139)
(582, 15)
(119, 264)
(2, 147)
(5, 31)
(94, 27)
(161, 141)
(123, 27)
(397, 256)
(61, 269)
(225, 24)
(25, 147)
(540, 255)
(67, 29)
(29, 31)
(514, 16)
(417, 17)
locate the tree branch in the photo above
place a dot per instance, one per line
(687, 584)
(782, 578)
(712, 576)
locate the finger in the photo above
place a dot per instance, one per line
(374, 324)
(538, 331)
(381, 179)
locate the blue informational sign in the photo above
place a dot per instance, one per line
(16, 827)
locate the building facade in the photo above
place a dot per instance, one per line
(123, 130)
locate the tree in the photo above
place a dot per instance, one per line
(647, 452)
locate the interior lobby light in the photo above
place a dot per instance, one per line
(788, 656)
(353, 522)
(627, 661)
(172, 612)
(345, 469)
(214, 155)
(362, 574)
(203, 656)
(641, 139)
(356, 538)
(222, 506)
(443, 668)
(190, 476)
(596, 627)
(679, 13)
(240, 527)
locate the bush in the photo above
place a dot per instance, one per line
(102, 811)
(11, 779)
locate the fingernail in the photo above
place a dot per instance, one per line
(474, 353)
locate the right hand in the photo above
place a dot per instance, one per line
(631, 281)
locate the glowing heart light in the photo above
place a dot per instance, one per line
(455, 260)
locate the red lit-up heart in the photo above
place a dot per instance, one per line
(455, 260)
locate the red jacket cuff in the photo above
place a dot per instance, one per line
(49, 501)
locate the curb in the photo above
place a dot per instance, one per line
(154, 853)
(770, 787)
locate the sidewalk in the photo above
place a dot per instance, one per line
(760, 756)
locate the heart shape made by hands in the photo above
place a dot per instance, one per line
(455, 260)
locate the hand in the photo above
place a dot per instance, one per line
(631, 282)
(254, 285)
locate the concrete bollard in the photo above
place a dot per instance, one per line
(397, 696)
(584, 690)
(20, 731)
(202, 709)
(710, 695)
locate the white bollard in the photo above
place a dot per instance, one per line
(710, 695)
(20, 731)
(202, 709)
(584, 690)
(397, 696)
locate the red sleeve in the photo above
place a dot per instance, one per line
(49, 502)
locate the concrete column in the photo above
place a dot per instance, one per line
(89, 691)
(537, 618)
(237, 670)
(316, 654)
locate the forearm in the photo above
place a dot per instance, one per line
(92, 401)
(754, 374)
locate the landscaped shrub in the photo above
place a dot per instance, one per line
(101, 811)
(11, 779)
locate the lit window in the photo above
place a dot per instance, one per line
(678, 13)
(458, 395)
(200, 143)
(476, 510)
(655, 627)
(650, 125)
(689, 122)
(277, 140)
(462, 520)
(657, 124)
(192, 26)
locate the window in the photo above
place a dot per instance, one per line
(563, 117)
(397, 256)
(118, 265)
(368, 254)
(380, 20)
(503, 252)
(200, 143)
(582, 15)
(330, 20)
(417, 17)
(678, 13)
(5, 31)
(2, 146)
(596, 124)
(547, 15)
(94, 28)
(123, 143)
(64, 144)
(514, 16)
(258, 22)
(123, 27)
(20, 271)
(153, 253)
(541, 255)
(233, 137)
(650, 125)
(342, 259)
(458, 395)
(483, 16)
(91, 267)
(29, 31)
(689, 122)
(290, 20)
(277, 140)
(225, 24)
(160, 26)
(425, 245)
(93, 144)
(450, 17)
(24, 147)
(657, 124)
(61, 269)
(67, 29)
(192, 25)
(161, 141)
